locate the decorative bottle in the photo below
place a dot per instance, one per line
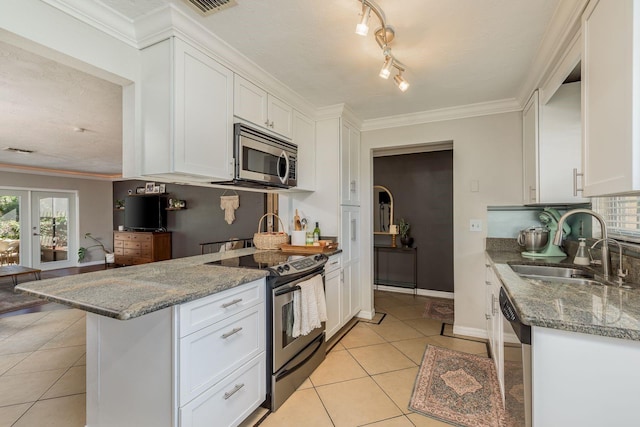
(316, 233)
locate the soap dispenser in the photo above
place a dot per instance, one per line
(582, 258)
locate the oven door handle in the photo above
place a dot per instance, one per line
(288, 290)
(284, 373)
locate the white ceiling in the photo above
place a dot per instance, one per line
(457, 52)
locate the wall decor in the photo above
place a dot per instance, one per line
(163, 188)
(140, 190)
(156, 189)
(148, 187)
(229, 204)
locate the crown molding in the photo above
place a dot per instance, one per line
(99, 16)
(560, 33)
(451, 113)
(58, 172)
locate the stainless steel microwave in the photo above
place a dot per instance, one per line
(262, 160)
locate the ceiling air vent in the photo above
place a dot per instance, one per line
(18, 150)
(207, 7)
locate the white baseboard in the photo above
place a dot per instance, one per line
(88, 263)
(368, 315)
(421, 292)
(470, 332)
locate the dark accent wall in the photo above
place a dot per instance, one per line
(422, 188)
(203, 220)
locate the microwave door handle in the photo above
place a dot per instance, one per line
(284, 178)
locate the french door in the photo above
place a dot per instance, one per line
(40, 226)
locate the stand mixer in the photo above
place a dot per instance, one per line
(550, 217)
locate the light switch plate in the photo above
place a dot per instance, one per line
(475, 225)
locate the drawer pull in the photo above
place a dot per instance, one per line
(230, 303)
(233, 332)
(234, 391)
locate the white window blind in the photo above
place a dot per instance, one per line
(622, 214)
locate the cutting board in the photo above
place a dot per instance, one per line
(285, 247)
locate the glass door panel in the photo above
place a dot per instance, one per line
(12, 224)
(52, 228)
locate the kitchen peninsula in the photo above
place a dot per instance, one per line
(171, 343)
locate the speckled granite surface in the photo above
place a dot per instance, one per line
(599, 310)
(125, 293)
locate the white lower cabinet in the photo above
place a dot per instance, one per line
(495, 323)
(342, 289)
(333, 289)
(229, 402)
(202, 363)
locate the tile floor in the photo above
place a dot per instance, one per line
(366, 379)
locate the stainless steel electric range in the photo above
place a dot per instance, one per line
(289, 360)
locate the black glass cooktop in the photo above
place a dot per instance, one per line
(260, 260)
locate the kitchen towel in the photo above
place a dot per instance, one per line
(309, 306)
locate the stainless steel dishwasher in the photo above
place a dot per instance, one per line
(517, 365)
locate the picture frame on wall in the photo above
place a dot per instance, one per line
(140, 190)
(156, 189)
(163, 188)
(149, 186)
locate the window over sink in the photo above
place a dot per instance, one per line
(622, 214)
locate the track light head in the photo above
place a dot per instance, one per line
(363, 27)
(403, 85)
(385, 72)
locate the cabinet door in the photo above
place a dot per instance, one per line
(280, 116)
(611, 92)
(488, 306)
(333, 289)
(530, 150)
(304, 136)
(250, 102)
(354, 288)
(349, 233)
(345, 295)
(349, 165)
(203, 114)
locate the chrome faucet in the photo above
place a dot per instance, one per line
(606, 256)
(621, 273)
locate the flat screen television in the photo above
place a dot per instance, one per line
(145, 213)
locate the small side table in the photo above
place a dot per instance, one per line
(16, 270)
(377, 280)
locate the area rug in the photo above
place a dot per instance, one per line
(458, 388)
(513, 393)
(439, 309)
(12, 301)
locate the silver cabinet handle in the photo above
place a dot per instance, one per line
(575, 182)
(532, 194)
(233, 332)
(487, 316)
(266, 123)
(333, 263)
(230, 303)
(234, 391)
(353, 230)
(494, 300)
(352, 186)
(271, 125)
(488, 283)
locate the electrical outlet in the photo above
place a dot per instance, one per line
(475, 225)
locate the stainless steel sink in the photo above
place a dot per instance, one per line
(564, 280)
(549, 271)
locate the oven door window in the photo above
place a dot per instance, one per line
(263, 162)
(287, 324)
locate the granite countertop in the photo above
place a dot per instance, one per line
(598, 310)
(129, 292)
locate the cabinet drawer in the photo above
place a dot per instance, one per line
(145, 246)
(212, 353)
(140, 260)
(206, 311)
(132, 252)
(121, 259)
(334, 263)
(132, 245)
(118, 251)
(118, 243)
(231, 401)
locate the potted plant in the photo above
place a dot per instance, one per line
(120, 204)
(82, 251)
(403, 228)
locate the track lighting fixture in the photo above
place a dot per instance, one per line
(384, 36)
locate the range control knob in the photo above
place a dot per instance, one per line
(286, 267)
(317, 257)
(280, 269)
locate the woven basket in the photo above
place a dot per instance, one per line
(269, 240)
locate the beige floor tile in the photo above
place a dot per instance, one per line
(390, 318)
(361, 335)
(8, 361)
(357, 402)
(46, 360)
(74, 381)
(68, 411)
(380, 358)
(303, 408)
(395, 331)
(338, 366)
(425, 326)
(337, 347)
(458, 344)
(410, 299)
(393, 422)
(74, 335)
(254, 417)
(13, 324)
(398, 385)
(403, 312)
(305, 385)
(23, 388)
(82, 361)
(413, 349)
(10, 414)
(419, 420)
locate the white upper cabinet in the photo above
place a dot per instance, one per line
(255, 105)
(304, 136)
(552, 147)
(186, 114)
(611, 95)
(349, 165)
